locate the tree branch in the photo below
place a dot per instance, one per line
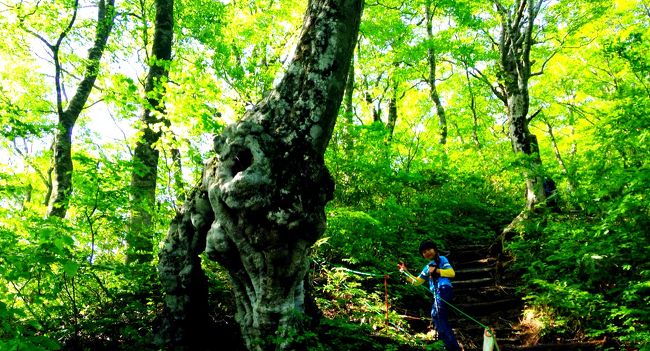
(31, 164)
(534, 115)
(105, 18)
(541, 69)
(480, 76)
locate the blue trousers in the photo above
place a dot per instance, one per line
(440, 313)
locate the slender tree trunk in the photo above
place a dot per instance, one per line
(435, 97)
(63, 168)
(348, 108)
(48, 192)
(376, 108)
(177, 170)
(268, 186)
(559, 158)
(376, 111)
(30, 188)
(392, 111)
(458, 132)
(574, 146)
(349, 92)
(472, 106)
(145, 158)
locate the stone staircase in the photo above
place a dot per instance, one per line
(479, 294)
(482, 293)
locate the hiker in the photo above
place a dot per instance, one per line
(438, 273)
(550, 192)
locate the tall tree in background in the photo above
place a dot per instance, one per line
(432, 58)
(262, 197)
(472, 107)
(68, 115)
(515, 43)
(393, 100)
(145, 158)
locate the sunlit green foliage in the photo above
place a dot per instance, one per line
(584, 265)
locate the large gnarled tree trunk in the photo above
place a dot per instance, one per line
(267, 189)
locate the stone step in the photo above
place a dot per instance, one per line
(582, 346)
(473, 273)
(472, 338)
(473, 282)
(487, 307)
(469, 296)
(475, 335)
(493, 289)
(462, 256)
(475, 270)
(477, 263)
(478, 294)
(470, 247)
(469, 293)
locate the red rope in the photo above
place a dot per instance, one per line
(386, 294)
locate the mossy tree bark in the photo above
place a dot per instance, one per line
(515, 43)
(67, 116)
(145, 158)
(268, 185)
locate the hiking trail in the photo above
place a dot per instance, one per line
(483, 291)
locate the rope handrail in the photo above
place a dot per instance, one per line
(487, 329)
(489, 332)
(360, 273)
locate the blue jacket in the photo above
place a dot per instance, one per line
(442, 281)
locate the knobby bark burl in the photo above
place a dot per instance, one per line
(268, 185)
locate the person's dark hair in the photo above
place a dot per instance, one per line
(426, 245)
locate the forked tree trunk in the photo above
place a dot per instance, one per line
(268, 185)
(515, 43)
(62, 166)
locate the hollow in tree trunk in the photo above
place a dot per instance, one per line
(268, 186)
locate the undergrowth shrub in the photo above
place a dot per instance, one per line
(588, 275)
